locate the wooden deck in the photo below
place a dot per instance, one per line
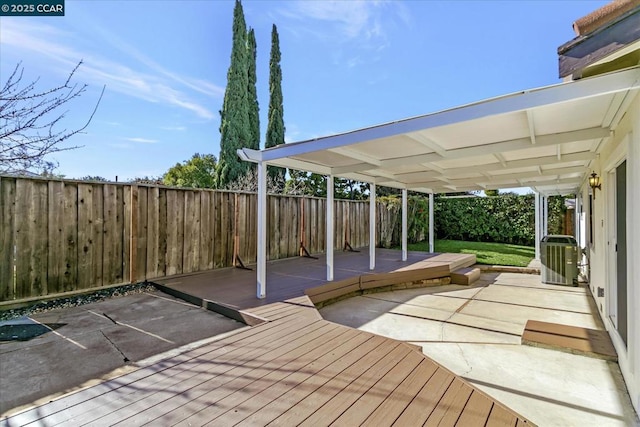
(295, 369)
(289, 278)
(291, 368)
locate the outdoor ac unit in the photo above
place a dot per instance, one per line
(559, 260)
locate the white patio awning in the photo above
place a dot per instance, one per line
(543, 138)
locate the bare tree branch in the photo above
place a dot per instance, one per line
(30, 121)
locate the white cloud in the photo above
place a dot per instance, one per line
(142, 140)
(356, 19)
(174, 128)
(362, 25)
(159, 87)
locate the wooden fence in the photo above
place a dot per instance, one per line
(60, 236)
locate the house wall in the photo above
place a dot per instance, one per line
(623, 145)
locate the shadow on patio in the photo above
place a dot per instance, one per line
(476, 332)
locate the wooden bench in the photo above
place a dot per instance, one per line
(366, 283)
(465, 276)
(588, 342)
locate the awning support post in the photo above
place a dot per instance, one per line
(537, 223)
(329, 228)
(545, 215)
(372, 226)
(431, 239)
(404, 224)
(262, 232)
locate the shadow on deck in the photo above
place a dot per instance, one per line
(291, 368)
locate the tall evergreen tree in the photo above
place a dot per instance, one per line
(254, 109)
(235, 127)
(275, 126)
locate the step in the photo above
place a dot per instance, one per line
(588, 342)
(465, 276)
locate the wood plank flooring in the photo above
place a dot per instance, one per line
(295, 369)
(288, 278)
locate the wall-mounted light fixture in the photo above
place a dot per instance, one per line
(594, 182)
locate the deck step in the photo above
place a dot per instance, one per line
(465, 276)
(588, 342)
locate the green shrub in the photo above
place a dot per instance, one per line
(502, 219)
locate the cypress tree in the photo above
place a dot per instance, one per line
(235, 127)
(254, 109)
(275, 126)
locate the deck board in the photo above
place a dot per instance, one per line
(241, 384)
(331, 410)
(478, 408)
(174, 379)
(375, 395)
(451, 405)
(501, 417)
(392, 407)
(427, 399)
(293, 368)
(280, 397)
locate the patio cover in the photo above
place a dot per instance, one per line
(542, 138)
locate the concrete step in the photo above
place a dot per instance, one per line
(465, 276)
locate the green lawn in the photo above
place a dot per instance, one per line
(486, 253)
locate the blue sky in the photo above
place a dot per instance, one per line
(346, 65)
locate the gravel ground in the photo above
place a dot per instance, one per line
(41, 307)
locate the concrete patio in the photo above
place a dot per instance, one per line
(476, 332)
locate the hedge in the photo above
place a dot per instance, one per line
(502, 219)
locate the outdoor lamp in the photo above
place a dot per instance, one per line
(594, 182)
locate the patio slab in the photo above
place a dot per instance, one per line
(549, 387)
(478, 338)
(90, 345)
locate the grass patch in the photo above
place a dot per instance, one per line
(486, 253)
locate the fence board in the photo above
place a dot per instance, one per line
(322, 224)
(141, 235)
(283, 242)
(230, 208)
(294, 228)
(175, 231)
(97, 234)
(216, 217)
(244, 220)
(273, 228)
(153, 232)
(162, 232)
(24, 190)
(7, 238)
(133, 233)
(113, 226)
(85, 234)
(31, 238)
(71, 258)
(126, 238)
(55, 262)
(313, 225)
(253, 228)
(191, 253)
(206, 236)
